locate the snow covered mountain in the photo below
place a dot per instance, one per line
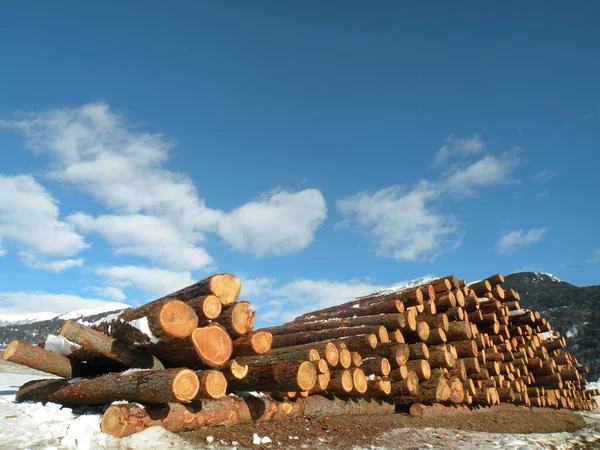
(32, 327)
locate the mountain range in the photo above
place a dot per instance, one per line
(572, 310)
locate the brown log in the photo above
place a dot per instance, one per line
(287, 340)
(122, 420)
(356, 359)
(277, 376)
(376, 365)
(419, 335)
(362, 343)
(459, 331)
(213, 384)
(436, 336)
(340, 382)
(435, 321)
(207, 307)
(359, 381)
(420, 367)
(237, 318)
(436, 389)
(457, 391)
(317, 406)
(418, 351)
(441, 285)
(235, 369)
(404, 390)
(380, 387)
(455, 314)
(387, 306)
(148, 386)
(99, 343)
(481, 287)
(398, 374)
(207, 347)
(466, 348)
(440, 359)
(255, 343)
(225, 286)
(166, 319)
(37, 358)
(345, 358)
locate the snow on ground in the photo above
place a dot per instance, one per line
(45, 427)
(20, 319)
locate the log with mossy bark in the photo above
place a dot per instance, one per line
(146, 386)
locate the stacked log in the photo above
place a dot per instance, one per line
(444, 342)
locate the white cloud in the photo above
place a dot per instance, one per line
(96, 151)
(454, 146)
(404, 224)
(29, 215)
(488, 171)
(255, 287)
(3, 251)
(277, 224)
(544, 176)
(151, 237)
(595, 257)
(152, 280)
(512, 241)
(28, 302)
(109, 292)
(30, 260)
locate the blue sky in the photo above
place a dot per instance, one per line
(318, 151)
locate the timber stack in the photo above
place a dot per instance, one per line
(175, 358)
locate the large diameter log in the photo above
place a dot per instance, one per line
(37, 358)
(147, 386)
(317, 406)
(441, 285)
(166, 319)
(466, 348)
(457, 391)
(122, 420)
(359, 381)
(398, 374)
(237, 318)
(104, 345)
(224, 285)
(436, 336)
(255, 343)
(277, 376)
(459, 331)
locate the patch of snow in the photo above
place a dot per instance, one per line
(210, 439)
(142, 325)
(256, 439)
(113, 306)
(404, 286)
(60, 345)
(552, 277)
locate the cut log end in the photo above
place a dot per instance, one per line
(186, 385)
(332, 355)
(359, 380)
(345, 358)
(113, 422)
(211, 306)
(215, 384)
(307, 376)
(10, 350)
(227, 287)
(212, 344)
(177, 319)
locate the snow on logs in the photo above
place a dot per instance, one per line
(443, 341)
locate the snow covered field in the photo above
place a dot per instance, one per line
(35, 426)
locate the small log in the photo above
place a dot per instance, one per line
(398, 374)
(237, 318)
(436, 336)
(495, 279)
(207, 307)
(277, 376)
(256, 343)
(466, 348)
(459, 331)
(441, 359)
(235, 369)
(99, 343)
(418, 351)
(148, 386)
(340, 382)
(213, 384)
(359, 381)
(420, 334)
(420, 367)
(376, 365)
(37, 358)
(225, 286)
(481, 287)
(403, 390)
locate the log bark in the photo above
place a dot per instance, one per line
(99, 343)
(224, 285)
(255, 343)
(459, 331)
(435, 321)
(237, 318)
(358, 309)
(207, 347)
(436, 336)
(287, 340)
(123, 420)
(376, 365)
(418, 351)
(317, 406)
(419, 335)
(207, 307)
(213, 384)
(340, 382)
(147, 386)
(235, 369)
(277, 376)
(37, 358)
(403, 390)
(397, 354)
(166, 319)
(420, 367)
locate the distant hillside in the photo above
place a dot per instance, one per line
(33, 332)
(572, 310)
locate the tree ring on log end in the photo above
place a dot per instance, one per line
(212, 344)
(10, 350)
(216, 384)
(345, 358)
(227, 287)
(186, 385)
(177, 319)
(359, 380)
(307, 376)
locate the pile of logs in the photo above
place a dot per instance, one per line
(177, 357)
